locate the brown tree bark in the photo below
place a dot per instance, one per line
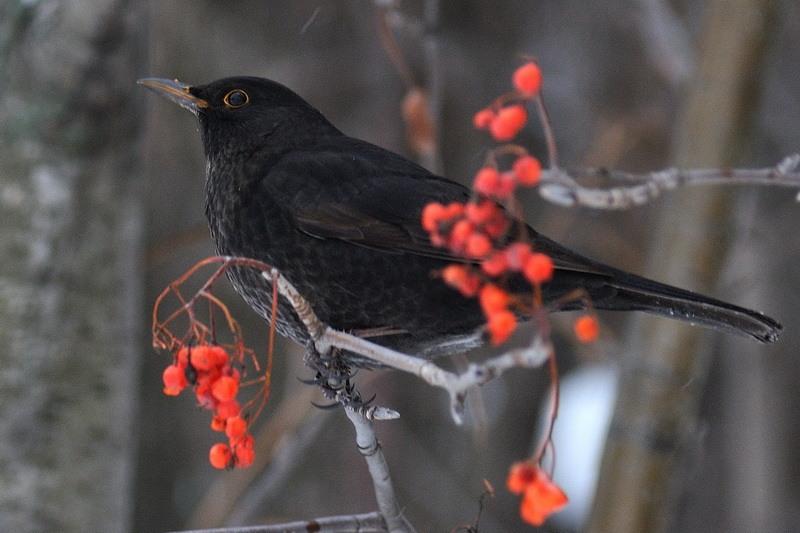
(69, 263)
(665, 372)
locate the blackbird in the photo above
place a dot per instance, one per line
(340, 218)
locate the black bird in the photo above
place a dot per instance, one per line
(340, 218)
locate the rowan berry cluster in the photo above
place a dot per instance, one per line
(540, 496)
(478, 230)
(215, 380)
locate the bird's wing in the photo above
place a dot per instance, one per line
(373, 198)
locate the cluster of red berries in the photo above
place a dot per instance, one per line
(540, 496)
(504, 122)
(478, 229)
(209, 370)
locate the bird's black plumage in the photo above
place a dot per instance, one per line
(340, 218)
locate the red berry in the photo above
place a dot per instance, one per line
(493, 299)
(517, 254)
(483, 118)
(244, 456)
(538, 268)
(183, 357)
(481, 212)
(478, 245)
(229, 409)
(455, 275)
(218, 356)
(225, 388)
(459, 277)
(453, 210)
(235, 428)
(432, 214)
(217, 423)
(501, 325)
(528, 170)
(462, 230)
(201, 358)
(521, 476)
(508, 182)
(508, 122)
(587, 329)
(487, 181)
(528, 79)
(219, 455)
(495, 264)
(174, 378)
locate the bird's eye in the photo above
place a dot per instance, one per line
(235, 99)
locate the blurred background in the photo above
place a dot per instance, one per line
(101, 196)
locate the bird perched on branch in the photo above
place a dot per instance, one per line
(340, 218)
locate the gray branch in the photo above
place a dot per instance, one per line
(325, 338)
(370, 448)
(561, 187)
(361, 523)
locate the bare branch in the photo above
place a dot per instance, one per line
(363, 523)
(456, 385)
(370, 448)
(561, 187)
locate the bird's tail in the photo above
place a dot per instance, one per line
(635, 293)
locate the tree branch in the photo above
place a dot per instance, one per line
(325, 338)
(363, 523)
(370, 448)
(561, 187)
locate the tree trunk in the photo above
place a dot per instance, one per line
(69, 273)
(664, 374)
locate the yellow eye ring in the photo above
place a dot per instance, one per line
(235, 99)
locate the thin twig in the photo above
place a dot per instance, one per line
(561, 187)
(362, 523)
(370, 448)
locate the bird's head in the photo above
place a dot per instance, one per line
(243, 112)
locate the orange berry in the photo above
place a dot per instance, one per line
(235, 428)
(219, 455)
(174, 379)
(182, 356)
(497, 226)
(520, 476)
(517, 254)
(201, 358)
(478, 245)
(453, 209)
(483, 118)
(225, 388)
(247, 441)
(229, 409)
(217, 423)
(495, 264)
(528, 79)
(455, 275)
(541, 499)
(587, 329)
(218, 356)
(508, 182)
(481, 212)
(538, 268)
(461, 231)
(487, 180)
(500, 326)
(508, 122)
(244, 456)
(528, 170)
(493, 299)
(432, 214)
